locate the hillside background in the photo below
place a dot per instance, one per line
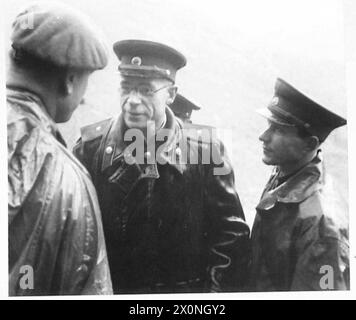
(235, 51)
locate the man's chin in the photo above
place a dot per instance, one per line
(135, 124)
(63, 118)
(268, 161)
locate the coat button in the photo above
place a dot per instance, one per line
(178, 152)
(147, 154)
(108, 150)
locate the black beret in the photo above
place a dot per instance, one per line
(58, 34)
(290, 107)
(149, 59)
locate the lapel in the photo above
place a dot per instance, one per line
(296, 189)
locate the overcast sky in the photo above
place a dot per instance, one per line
(277, 35)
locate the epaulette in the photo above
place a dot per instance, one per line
(95, 130)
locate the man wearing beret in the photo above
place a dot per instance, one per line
(171, 224)
(56, 241)
(299, 237)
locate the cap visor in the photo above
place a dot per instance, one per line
(143, 72)
(266, 113)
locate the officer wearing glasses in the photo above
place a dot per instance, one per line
(171, 224)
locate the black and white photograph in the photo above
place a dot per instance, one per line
(178, 148)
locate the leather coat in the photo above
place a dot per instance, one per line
(56, 243)
(171, 226)
(300, 235)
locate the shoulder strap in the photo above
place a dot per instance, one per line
(88, 145)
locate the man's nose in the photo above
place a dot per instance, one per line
(265, 136)
(134, 98)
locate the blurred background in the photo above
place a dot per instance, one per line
(235, 51)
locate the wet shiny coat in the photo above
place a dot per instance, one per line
(300, 235)
(55, 227)
(172, 227)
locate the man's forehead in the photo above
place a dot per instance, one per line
(286, 128)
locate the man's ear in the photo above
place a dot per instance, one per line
(172, 91)
(313, 143)
(67, 83)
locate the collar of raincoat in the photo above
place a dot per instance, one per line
(32, 104)
(297, 188)
(115, 141)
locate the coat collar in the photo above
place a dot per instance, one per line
(297, 188)
(31, 103)
(115, 148)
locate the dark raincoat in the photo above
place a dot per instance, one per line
(300, 235)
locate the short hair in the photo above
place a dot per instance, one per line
(304, 133)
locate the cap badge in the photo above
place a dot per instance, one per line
(136, 61)
(274, 101)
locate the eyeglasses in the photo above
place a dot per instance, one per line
(143, 90)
